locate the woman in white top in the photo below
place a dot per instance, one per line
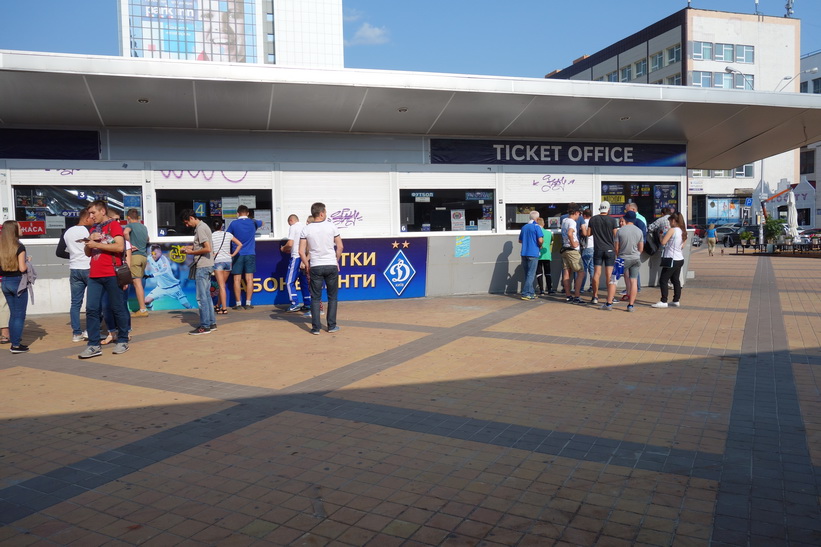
(673, 243)
(221, 246)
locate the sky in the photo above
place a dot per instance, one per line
(522, 38)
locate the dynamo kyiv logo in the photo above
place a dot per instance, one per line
(399, 273)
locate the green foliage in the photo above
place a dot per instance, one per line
(745, 235)
(773, 228)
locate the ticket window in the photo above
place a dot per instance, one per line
(649, 197)
(518, 214)
(445, 210)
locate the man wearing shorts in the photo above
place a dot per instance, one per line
(572, 269)
(245, 263)
(137, 234)
(603, 228)
(631, 244)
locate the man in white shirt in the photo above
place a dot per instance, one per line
(78, 263)
(321, 240)
(294, 267)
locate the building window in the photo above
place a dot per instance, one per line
(45, 211)
(213, 204)
(699, 173)
(804, 87)
(724, 52)
(703, 51)
(807, 162)
(613, 76)
(674, 54)
(656, 61)
(641, 68)
(658, 82)
(518, 214)
(744, 54)
(626, 73)
(702, 79)
(674, 80)
(445, 210)
(744, 81)
(816, 85)
(745, 171)
(722, 173)
(724, 80)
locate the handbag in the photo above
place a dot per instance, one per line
(652, 244)
(192, 271)
(667, 262)
(123, 273)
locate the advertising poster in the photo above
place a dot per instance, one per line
(457, 220)
(371, 269)
(723, 210)
(666, 195)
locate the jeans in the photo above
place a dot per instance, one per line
(78, 282)
(206, 305)
(108, 313)
(294, 273)
(587, 261)
(543, 276)
(671, 274)
(529, 264)
(97, 286)
(329, 275)
(17, 308)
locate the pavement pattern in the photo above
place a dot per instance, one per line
(473, 420)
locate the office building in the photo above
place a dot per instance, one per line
(304, 33)
(718, 50)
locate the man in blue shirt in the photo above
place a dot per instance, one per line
(245, 263)
(531, 238)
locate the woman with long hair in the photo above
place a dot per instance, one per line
(221, 247)
(673, 243)
(12, 267)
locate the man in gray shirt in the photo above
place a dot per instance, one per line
(631, 244)
(204, 263)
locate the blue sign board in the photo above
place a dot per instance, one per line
(748, 202)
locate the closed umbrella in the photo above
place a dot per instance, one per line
(792, 215)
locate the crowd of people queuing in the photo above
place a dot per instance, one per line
(98, 246)
(594, 244)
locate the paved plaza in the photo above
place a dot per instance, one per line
(471, 420)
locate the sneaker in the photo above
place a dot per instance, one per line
(607, 307)
(307, 314)
(303, 307)
(213, 326)
(629, 307)
(675, 304)
(577, 300)
(78, 338)
(90, 351)
(659, 305)
(140, 313)
(333, 330)
(248, 307)
(200, 330)
(120, 348)
(616, 300)
(19, 349)
(528, 297)
(594, 300)
(568, 299)
(551, 292)
(315, 331)
(295, 307)
(237, 307)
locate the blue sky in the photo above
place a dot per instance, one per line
(526, 38)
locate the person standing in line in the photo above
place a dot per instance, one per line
(603, 228)
(630, 244)
(543, 275)
(221, 245)
(201, 248)
(136, 233)
(106, 246)
(245, 263)
(322, 241)
(78, 265)
(711, 239)
(295, 270)
(641, 224)
(531, 239)
(673, 242)
(13, 265)
(587, 242)
(573, 271)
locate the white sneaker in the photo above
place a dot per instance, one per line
(659, 305)
(675, 304)
(77, 338)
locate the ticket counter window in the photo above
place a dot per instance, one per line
(46, 211)
(649, 197)
(210, 205)
(518, 214)
(438, 210)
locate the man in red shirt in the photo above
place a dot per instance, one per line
(105, 246)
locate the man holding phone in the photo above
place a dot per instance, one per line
(78, 264)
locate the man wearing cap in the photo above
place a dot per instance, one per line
(531, 238)
(572, 269)
(630, 244)
(603, 227)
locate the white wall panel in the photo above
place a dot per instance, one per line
(553, 187)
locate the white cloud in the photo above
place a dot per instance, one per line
(369, 35)
(351, 15)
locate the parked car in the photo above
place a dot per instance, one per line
(810, 232)
(700, 229)
(729, 235)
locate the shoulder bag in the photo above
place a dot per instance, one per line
(123, 272)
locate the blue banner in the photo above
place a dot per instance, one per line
(463, 151)
(370, 269)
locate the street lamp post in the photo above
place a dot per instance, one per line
(789, 80)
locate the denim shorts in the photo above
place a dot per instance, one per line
(244, 264)
(222, 267)
(605, 257)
